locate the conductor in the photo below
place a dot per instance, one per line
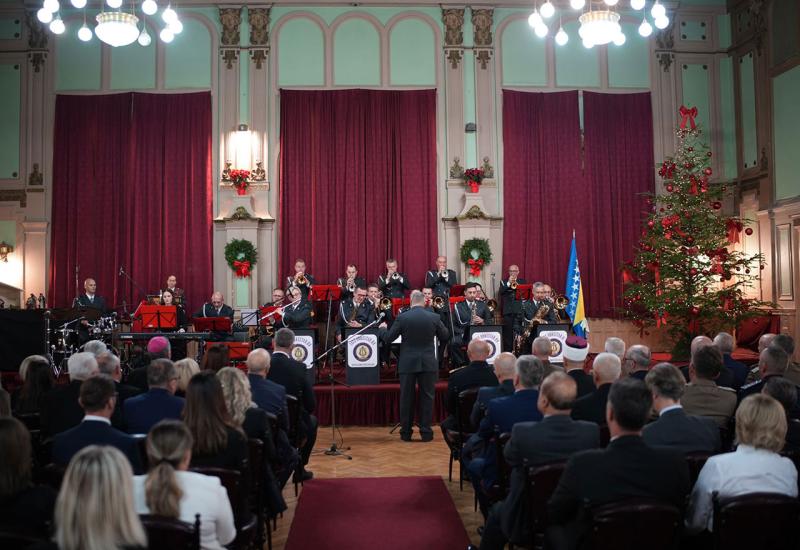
(417, 364)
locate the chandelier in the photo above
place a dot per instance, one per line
(115, 27)
(599, 21)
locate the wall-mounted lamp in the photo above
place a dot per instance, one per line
(5, 250)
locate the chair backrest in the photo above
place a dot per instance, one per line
(625, 525)
(542, 481)
(237, 493)
(11, 539)
(257, 467)
(274, 426)
(163, 532)
(696, 461)
(295, 409)
(605, 435)
(503, 469)
(53, 475)
(464, 403)
(755, 521)
(32, 421)
(141, 444)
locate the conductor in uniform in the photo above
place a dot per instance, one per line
(417, 364)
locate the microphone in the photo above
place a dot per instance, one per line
(382, 315)
(121, 270)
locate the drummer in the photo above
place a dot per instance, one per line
(89, 300)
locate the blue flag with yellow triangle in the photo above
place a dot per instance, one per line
(574, 292)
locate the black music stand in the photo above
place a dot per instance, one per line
(219, 327)
(327, 293)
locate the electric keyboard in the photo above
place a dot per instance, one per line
(167, 335)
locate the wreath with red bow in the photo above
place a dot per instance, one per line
(477, 254)
(241, 256)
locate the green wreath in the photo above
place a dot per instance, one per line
(240, 250)
(479, 245)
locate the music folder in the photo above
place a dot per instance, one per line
(363, 357)
(492, 335)
(325, 292)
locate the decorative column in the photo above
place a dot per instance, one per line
(485, 94)
(453, 19)
(473, 222)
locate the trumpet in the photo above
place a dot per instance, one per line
(437, 302)
(512, 283)
(300, 280)
(560, 301)
(395, 276)
(443, 274)
(351, 285)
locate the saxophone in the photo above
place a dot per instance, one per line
(538, 319)
(473, 311)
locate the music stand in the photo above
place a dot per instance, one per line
(158, 317)
(398, 304)
(524, 292)
(327, 293)
(457, 290)
(212, 324)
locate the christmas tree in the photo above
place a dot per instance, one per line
(686, 275)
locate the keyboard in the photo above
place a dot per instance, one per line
(167, 335)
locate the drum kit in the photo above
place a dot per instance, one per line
(69, 328)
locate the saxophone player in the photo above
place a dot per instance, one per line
(301, 279)
(465, 314)
(511, 307)
(350, 281)
(355, 312)
(535, 309)
(394, 284)
(441, 279)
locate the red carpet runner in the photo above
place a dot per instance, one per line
(387, 513)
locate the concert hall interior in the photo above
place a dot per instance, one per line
(468, 262)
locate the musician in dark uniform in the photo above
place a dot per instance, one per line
(89, 299)
(217, 308)
(177, 293)
(465, 314)
(443, 311)
(356, 312)
(394, 284)
(350, 282)
(511, 307)
(561, 314)
(539, 308)
(181, 323)
(301, 279)
(264, 340)
(298, 313)
(441, 279)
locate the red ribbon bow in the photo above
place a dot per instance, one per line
(688, 114)
(734, 227)
(242, 268)
(475, 266)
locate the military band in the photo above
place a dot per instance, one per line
(393, 284)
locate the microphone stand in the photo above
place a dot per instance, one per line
(329, 297)
(452, 329)
(123, 272)
(334, 450)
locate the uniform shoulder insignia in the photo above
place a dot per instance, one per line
(456, 370)
(750, 385)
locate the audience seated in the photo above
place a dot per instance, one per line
(97, 398)
(754, 467)
(94, 509)
(637, 361)
(477, 374)
(291, 374)
(504, 369)
(541, 347)
(108, 364)
(157, 348)
(24, 507)
(617, 347)
(5, 403)
(61, 410)
(170, 490)
(607, 368)
(674, 428)
(186, 367)
(215, 358)
(218, 442)
(575, 351)
(786, 343)
(772, 361)
(725, 344)
(785, 393)
(95, 347)
(702, 396)
(159, 402)
(555, 437)
(26, 363)
(37, 384)
(627, 468)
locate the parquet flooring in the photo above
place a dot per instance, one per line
(376, 453)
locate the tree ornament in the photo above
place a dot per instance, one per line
(708, 171)
(695, 311)
(693, 271)
(690, 149)
(748, 231)
(670, 188)
(708, 154)
(716, 205)
(650, 223)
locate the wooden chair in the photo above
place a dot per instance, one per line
(630, 524)
(455, 439)
(171, 533)
(296, 436)
(542, 481)
(499, 490)
(758, 521)
(244, 518)
(257, 503)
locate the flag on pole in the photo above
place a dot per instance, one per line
(574, 291)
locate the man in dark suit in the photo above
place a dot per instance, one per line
(296, 280)
(297, 314)
(159, 403)
(463, 318)
(674, 428)
(786, 343)
(475, 375)
(575, 351)
(291, 374)
(61, 410)
(637, 361)
(725, 378)
(268, 395)
(158, 347)
(772, 361)
(216, 308)
(97, 398)
(606, 370)
(512, 308)
(636, 469)
(417, 365)
(504, 370)
(441, 279)
(356, 313)
(555, 437)
(537, 308)
(90, 299)
(394, 284)
(725, 344)
(108, 364)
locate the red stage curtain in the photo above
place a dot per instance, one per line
(132, 188)
(358, 181)
(618, 141)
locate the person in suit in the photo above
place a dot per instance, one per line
(725, 344)
(90, 298)
(537, 308)
(555, 437)
(350, 281)
(674, 428)
(216, 308)
(786, 343)
(62, 411)
(725, 378)
(108, 364)
(158, 347)
(441, 279)
(504, 370)
(178, 293)
(417, 366)
(702, 396)
(772, 361)
(785, 392)
(296, 280)
(617, 347)
(296, 314)
(475, 375)
(510, 306)
(145, 411)
(394, 284)
(97, 398)
(576, 349)
(592, 407)
(466, 314)
(355, 313)
(291, 374)
(637, 361)
(637, 470)
(36, 386)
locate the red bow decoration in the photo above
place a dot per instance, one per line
(475, 266)
(242, 268)
(734, 227)
(661, 318)
(688, 115)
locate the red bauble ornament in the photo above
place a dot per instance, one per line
(695, 310)
(708, 154)
(668, 235)
(693, 272)
(708, 171)
(705, 289)
(667, 300)
(670, 188)
(689, 239)
(690, 149)
(716, 205)
(650, 223)
(661, 209)
(749, 231)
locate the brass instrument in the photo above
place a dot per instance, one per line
(351, 285)
(492, 305)
(300, 280)
(385, 304)
(354, 313)
(473, 312)
(437, 302)
(512, 283)
(538, 319)
(395, 276)
(443, 274)
(560, 302)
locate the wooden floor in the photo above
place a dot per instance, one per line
(376, 453)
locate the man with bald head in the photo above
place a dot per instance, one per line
(441, 279)
(504, 371)
(541, 349)
(215, 308)
(637, 361)
(268, 395)
(477, 374)
(725, 378)
(555, 437)
(765, 341)
(592, 407)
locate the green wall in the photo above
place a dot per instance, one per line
(301, 54)
(10, 82)
(786, 121)
(356, 54)
(523, 54)
(8, 232)
(412, 54)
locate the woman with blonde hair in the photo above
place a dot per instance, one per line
(754, 467)
(170, 490)
(186, 368)
(94, 509)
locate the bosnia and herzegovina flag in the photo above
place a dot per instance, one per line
(574, 292)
